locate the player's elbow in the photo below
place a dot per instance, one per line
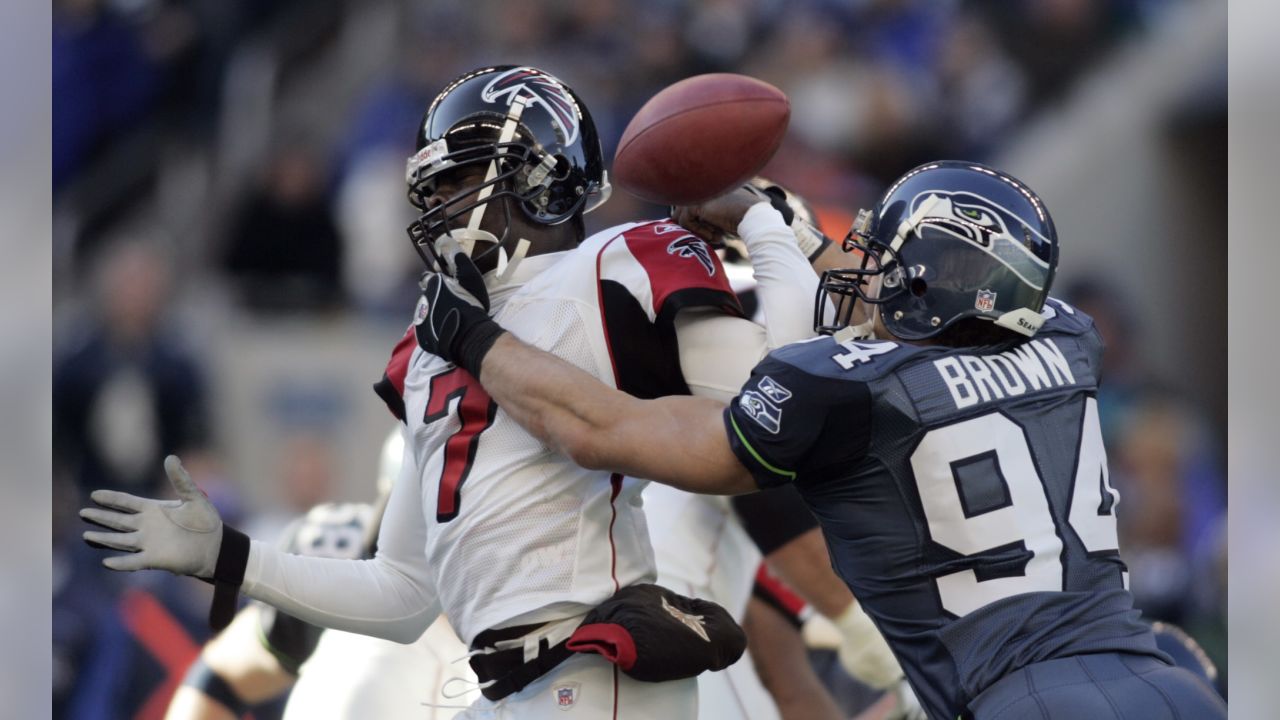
(585, 447)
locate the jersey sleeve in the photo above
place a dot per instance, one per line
(326, 531)
(785, 421)
(391, 596)
(391, 387)
(681, 271)
(646, 275)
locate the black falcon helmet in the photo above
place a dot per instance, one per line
(532, 137)
(949, 240)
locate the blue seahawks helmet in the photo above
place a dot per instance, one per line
(949, 240)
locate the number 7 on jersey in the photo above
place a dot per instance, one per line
(476, 411)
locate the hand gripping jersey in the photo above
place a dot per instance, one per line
(516, 533)
(963, 493)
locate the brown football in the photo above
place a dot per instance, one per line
(700, 137)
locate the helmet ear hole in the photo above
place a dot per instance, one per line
(918, 286)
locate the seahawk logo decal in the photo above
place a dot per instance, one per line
(537, 88)
(689, 246)
(986, 224)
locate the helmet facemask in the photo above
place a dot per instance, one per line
(841, 290)
(513, 133)
(503, 170)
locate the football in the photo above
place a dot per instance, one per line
(700, 137)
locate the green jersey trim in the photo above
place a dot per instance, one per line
(742, 438)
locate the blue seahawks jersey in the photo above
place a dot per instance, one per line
(963, 493)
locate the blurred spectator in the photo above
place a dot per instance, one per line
(1124, 378)
(284, 253)
(134, 633)
(1174, 500)
(982, 91)
(103, 80)
(380, 269)
(81, 594)
(304, 477)
(1053, 40)
(126, 392)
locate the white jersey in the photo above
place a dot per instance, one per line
(357, 676)
(517, 533)
(704, 552)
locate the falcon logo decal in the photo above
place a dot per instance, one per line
(689, 620)
(691, 247)
(537, 88)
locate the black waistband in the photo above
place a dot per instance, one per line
(507, 668)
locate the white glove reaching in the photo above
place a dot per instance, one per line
(182, 536)
(864, 654)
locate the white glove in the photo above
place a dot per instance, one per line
(182, 536)
(864, 654)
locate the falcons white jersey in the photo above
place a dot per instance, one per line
(517, 533)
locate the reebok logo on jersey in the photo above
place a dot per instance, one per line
(764, 413)
(691, 621)
(691, 247)
(773, 390)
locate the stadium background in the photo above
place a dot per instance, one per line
(230, 266)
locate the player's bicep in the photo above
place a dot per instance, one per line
(717, 351)
(774, 423)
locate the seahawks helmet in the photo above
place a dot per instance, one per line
(531, 137)
(949, 240)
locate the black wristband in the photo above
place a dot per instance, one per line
(205, 679)
(228, 575)
(477, 341)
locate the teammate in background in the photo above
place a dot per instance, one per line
(507, 163)
(955, 463)
(328, 673)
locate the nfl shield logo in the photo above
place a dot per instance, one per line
(567, 695)
(986, 300)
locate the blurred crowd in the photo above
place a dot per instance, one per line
(316, 230)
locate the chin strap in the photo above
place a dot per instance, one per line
(507, 268)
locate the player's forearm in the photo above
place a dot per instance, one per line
(782, 662)
(834, 257)
(804, 565)
(556, 402)
(393, 601)
(786, 282)
(677, 441)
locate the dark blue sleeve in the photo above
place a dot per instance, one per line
(775, 423)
